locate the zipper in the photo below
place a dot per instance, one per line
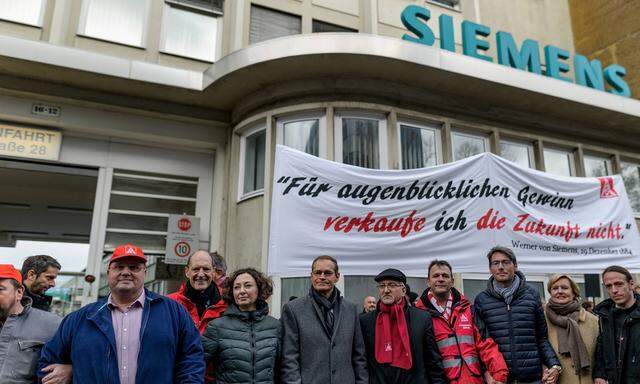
(511, 344)
(253, 354)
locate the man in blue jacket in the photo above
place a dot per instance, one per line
(133, 337)
(510, 312)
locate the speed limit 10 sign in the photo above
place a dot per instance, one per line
(183, 237)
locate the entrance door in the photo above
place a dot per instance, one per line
(47, 209)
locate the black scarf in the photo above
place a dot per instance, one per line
(202, 299)
(41, 302)
(330, 307)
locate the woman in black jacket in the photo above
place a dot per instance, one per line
(244, 344)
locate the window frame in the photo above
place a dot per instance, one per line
(466, 133)
(383, 150)
(303, 116)
(219, 30)
(529, 145)
(261, 126)
(39, 23)
(572, 158)
(455, 7)
(82, 26)
(435, 127)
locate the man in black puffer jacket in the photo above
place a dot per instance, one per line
(510, 312)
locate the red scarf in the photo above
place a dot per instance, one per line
(392, 336)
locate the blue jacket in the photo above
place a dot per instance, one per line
(520, 330)
(170, 347)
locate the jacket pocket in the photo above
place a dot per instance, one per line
(27, 359)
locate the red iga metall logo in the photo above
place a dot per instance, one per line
(607, 189)
(184, 224)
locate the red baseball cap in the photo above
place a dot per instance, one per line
(7, 271)
(129, 251)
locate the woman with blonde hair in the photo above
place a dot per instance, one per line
(572, 330)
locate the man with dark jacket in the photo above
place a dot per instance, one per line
(462, 347)
(399, 339)
(322, 341)
(618, 345)
(510, 312)
(39, 273)
(133, 336)
(23, 329)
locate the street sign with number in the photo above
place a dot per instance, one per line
(183, 237)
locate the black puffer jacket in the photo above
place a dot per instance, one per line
(243, 346)
(626, 367)
(520, 330)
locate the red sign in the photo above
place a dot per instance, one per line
(182, 249)
(184, 224)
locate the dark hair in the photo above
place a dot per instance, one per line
(39, 264)
(619, 269)
(587, 305)
(507, 251)
(217, 261)
(439, 263)
(325, 257)
(265, 287)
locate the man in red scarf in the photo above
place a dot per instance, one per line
(399, 339)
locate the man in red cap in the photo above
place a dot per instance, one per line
(23, 329)
(134, 334)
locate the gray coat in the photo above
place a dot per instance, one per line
(310, 355)
(21, 339)
(243, 346)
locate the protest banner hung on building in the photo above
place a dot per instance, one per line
(370, 219)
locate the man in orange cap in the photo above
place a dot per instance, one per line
(23, 329)
(134, 334)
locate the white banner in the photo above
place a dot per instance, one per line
(370, 219)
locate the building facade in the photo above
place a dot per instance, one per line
(175, 107)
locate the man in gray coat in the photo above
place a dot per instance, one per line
(322, 341)
(23, 332)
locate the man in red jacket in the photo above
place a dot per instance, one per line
(461, 345)
(200, 295)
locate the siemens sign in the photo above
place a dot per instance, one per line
(527, 57)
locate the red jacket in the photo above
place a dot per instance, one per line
(461, 338)
(213, 312)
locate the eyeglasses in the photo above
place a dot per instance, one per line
(326, 273)
(135, 268)
(382, 287)
(497, 263)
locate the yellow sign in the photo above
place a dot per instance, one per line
(32, 143)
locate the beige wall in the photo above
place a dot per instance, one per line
(610, 32)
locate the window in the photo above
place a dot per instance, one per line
(268, 24)
(119, 21)
(361, 140)
(190, 32)
(252, 152)
(519, 153)
(471, 288)
(294, 287)
(631, 177)
(447, 3)
(30, 12)
(304, 133)
(559, 162)
(596, 166)
(203, 6)
(467, 145)
(419, 145)
(321, 26)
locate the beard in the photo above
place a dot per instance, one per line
(6, 311)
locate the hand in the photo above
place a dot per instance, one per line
(550, 376)
(58, 374)
(600, 381)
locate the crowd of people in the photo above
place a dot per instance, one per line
(217, 328)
